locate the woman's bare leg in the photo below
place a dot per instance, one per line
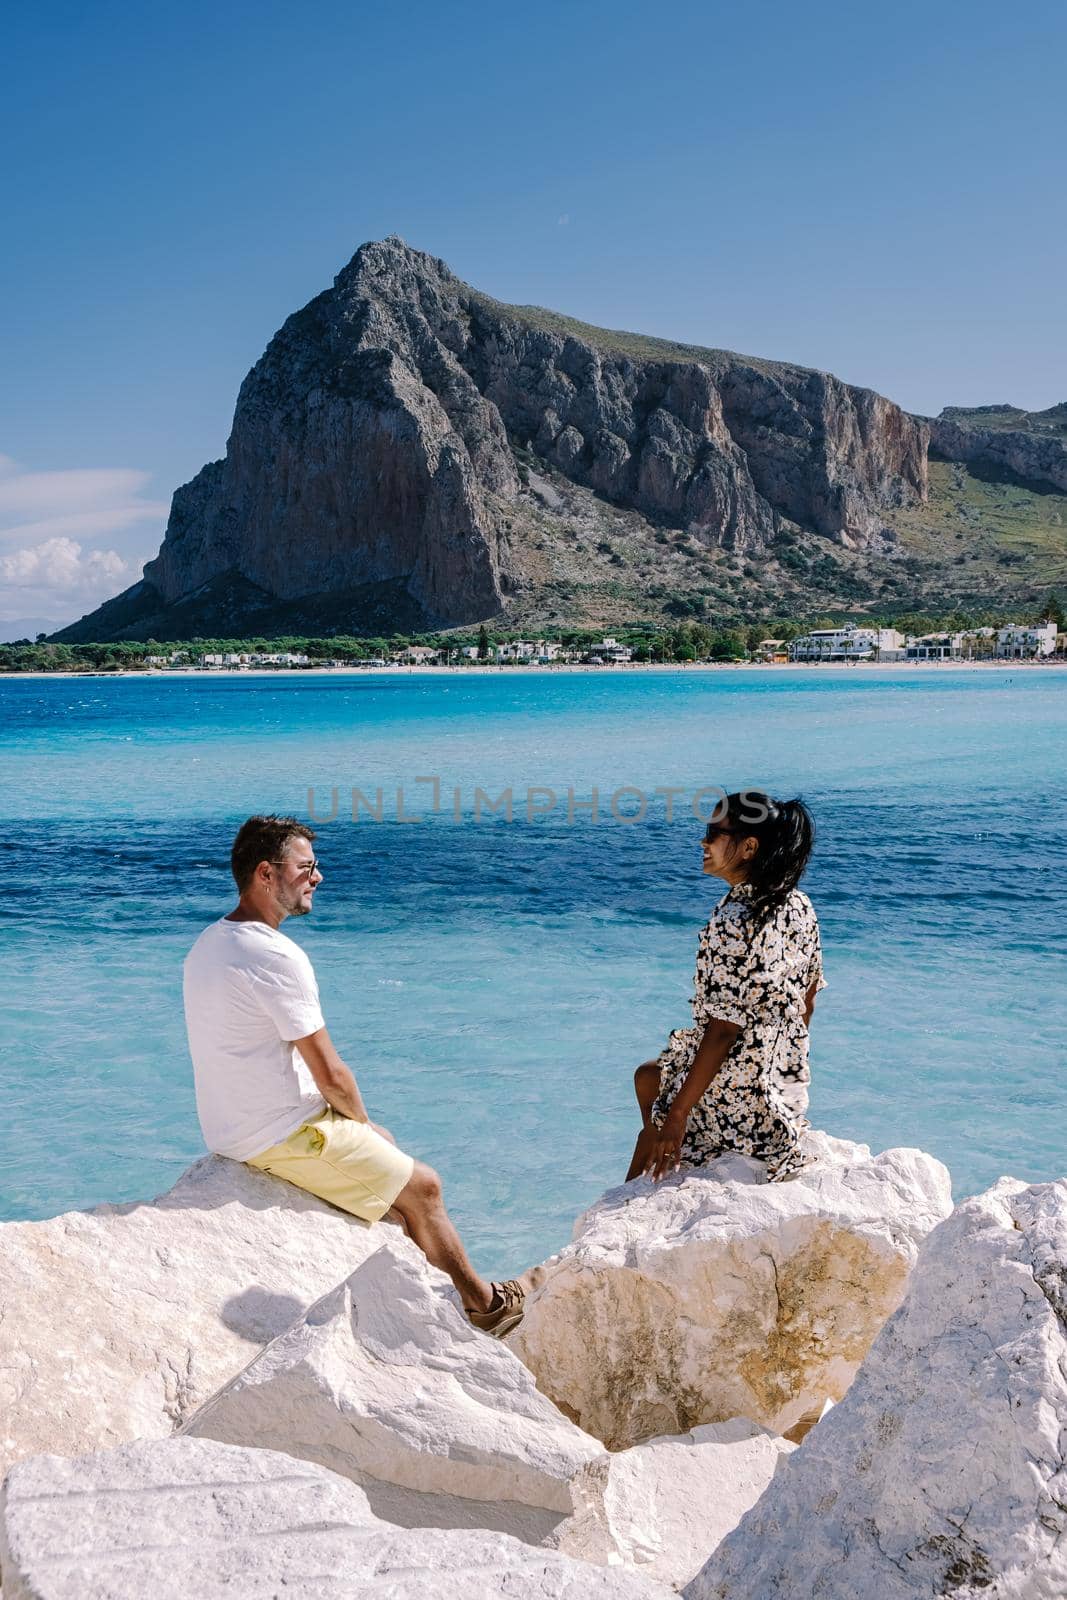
(646, 1087)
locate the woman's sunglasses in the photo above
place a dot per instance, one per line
(713, 830)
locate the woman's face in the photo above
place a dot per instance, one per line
(725, 854)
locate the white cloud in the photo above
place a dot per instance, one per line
(58, 532)
(39, 495)
(60, 564)
(59, 579)
(561, 222)
(83, 524)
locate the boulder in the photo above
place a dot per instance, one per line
(191, 1517)
(664, 1506)
(385, 1381)
(118, 1323)
(944, 1469)
(715, 1294)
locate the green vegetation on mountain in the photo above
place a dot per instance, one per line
(616, 341)
(984, 540)
(1009, 419)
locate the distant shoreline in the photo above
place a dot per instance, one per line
(551, 668)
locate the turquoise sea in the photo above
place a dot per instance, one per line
(494, 982)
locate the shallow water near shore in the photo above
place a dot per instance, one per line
(494, 982)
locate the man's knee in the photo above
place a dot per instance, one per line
(422, 1189)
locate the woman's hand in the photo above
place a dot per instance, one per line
(664, 1149)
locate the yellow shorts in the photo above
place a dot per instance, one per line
(341, 1161)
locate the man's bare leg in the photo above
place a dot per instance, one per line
(421, 1205)
(646, 1087)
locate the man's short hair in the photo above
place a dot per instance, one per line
(263, 839)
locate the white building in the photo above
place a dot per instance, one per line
(848, 644)
(935, 647)
(1018, 640)
(418, 655)
(609, 649)
(516, 650)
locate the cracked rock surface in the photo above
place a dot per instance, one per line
(119, 1322)
(386, 1382)
(943, 1472)
(664, 1506)
(190, 1517)
(715, 1294)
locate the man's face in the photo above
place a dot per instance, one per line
(295, 880)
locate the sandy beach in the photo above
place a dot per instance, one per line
(557, 668)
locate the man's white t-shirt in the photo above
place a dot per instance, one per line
(249, 991)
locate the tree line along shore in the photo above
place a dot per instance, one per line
(686, 641)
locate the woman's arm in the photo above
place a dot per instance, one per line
(809, 1003)
(665, 1143)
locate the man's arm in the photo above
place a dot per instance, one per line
(332, 1078)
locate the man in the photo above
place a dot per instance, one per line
(271, 1089)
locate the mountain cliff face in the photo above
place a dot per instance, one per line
(378, 472)
(1005, 442)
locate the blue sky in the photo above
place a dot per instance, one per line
(875, 190)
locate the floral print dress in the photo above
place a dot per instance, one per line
(757, 978)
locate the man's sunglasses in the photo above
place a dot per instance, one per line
(305, 868)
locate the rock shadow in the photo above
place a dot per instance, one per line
(260, 1315)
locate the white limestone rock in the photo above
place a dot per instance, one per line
(386, 1382)
(943, 1472)
(715, 1294)
(664, 1506)
(118, 1323)
(190, 1517)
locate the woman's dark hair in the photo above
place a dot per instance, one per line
(785, 831)
(263, 839)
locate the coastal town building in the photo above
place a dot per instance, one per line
(849, 643)
(772, 650)
(1018, 641)
(523, 650)
(238, 659)
(609, 650)
(417, 655)
(934, 647)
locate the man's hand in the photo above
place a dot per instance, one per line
(332, 1078)
(664, 1147)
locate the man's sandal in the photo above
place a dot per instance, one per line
(500, 1318)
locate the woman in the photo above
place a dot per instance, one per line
(737, 1079)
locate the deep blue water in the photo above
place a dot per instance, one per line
(493, 983)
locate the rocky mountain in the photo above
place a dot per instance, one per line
(1004, 442)
(410, 454)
